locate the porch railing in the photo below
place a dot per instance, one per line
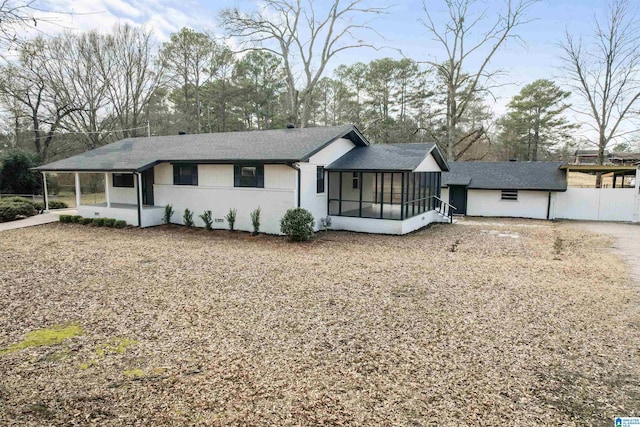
(444, 208)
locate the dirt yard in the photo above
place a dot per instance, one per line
(485, 324)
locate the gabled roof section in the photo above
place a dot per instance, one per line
(278, 146)
(545, 176)
(389, 157)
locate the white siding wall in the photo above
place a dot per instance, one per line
(216, 192)
(597, 204)
(129, 215)
(314, 202)
(444, 194)
(332, 152)
(122, 194)
(215, 175)
(429, 164)
(530, 204)
(385, 226)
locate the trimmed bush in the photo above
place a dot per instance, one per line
(255, 221)
(77, 218)
(231, 218)
(108, 222)
(85, 221)
(53, 204)
(120, 223)
(65, 218)
(297, 224)
(168, 213)
(187, 218)
(13, 207)
(207, 217)
(98, 222)
(16, 199)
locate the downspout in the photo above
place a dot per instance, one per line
(549, 206)
(299, 180)
(138, 181)
(297, 168)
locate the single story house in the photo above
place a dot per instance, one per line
(330, 171)
(504, 189)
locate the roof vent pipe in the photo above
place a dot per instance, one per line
(291, 126)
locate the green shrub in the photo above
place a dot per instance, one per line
(168, 213)
(108, 222)
(98, 222)
(255, 221)
(65, 218)
(16, 199)
(231, 218)
(53, 204)
(207, 217)
(297, 224)
(13, 207)
(120, 223)
(85, 221)
(77, 218)
(187, 218)
(57, 204)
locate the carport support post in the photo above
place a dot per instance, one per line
(77, 190)
(46, 194)
(636, 216)
(106, 189)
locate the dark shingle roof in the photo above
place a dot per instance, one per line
(397, 157)
(280, 145)
(507, 175)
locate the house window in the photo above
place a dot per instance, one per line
(320, 179)
(123, 180)
(248, 176)
(185, 174)
(355, 182)
(509, 195)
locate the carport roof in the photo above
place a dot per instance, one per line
(545, 176)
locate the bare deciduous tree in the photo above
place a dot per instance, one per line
(27, 89)
(606, 73)
(128, 68)
(458, 37)
(292, 30)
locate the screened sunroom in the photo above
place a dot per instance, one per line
(383, 195)
(390, 188)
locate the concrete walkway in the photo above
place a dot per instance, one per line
(626, 240)
(44, 218)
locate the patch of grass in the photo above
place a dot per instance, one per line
(46, 336)
(134, 373)
(114, 346)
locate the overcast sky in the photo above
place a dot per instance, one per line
(537, 56)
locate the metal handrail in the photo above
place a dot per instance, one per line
(447, 210)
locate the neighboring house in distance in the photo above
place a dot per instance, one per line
(588, 157)
(330, 171)
(621, 158)
(504, 189)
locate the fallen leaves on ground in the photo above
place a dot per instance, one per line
(452, 324)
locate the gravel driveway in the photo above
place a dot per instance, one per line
(626, 243)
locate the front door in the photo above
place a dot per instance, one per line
(147, 187)
(458, 198)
